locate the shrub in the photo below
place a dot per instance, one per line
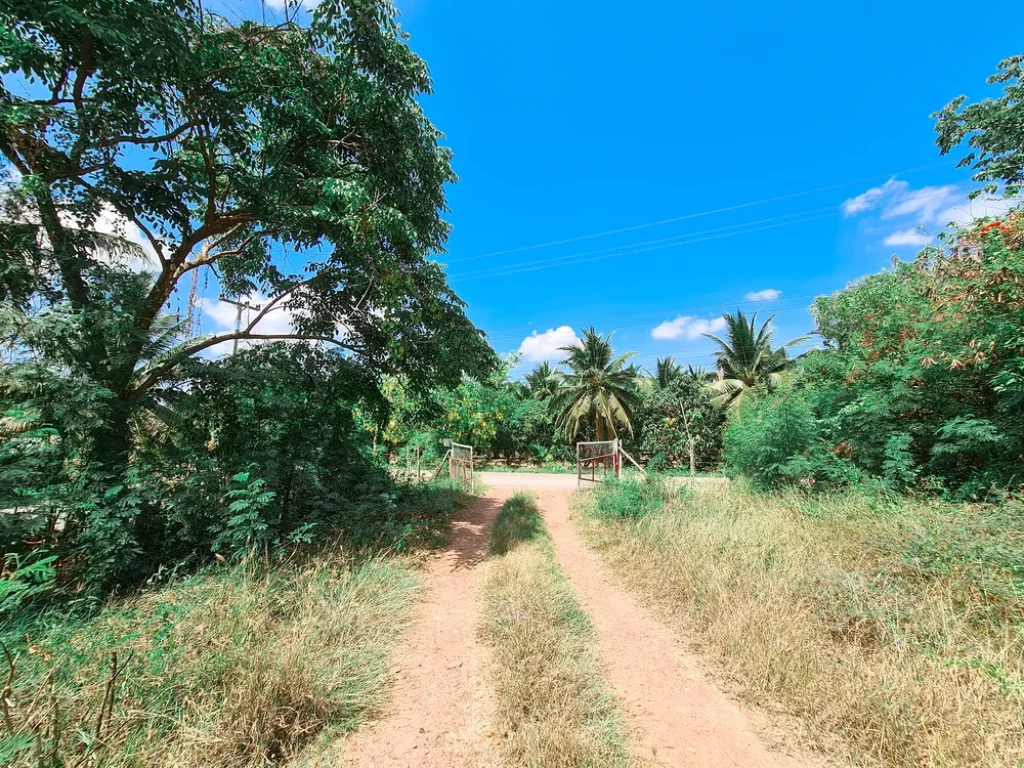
(632, 498)
(766, 434)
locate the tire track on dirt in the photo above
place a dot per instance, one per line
(435, 716)
(676, 716)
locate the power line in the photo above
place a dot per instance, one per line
(625, 250)
(628, 250)
(641, 250)
(726, 209)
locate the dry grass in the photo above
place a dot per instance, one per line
(551, 708)
(241, 666)
(897, 626)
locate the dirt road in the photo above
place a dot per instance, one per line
(676, 715)
(437, 713)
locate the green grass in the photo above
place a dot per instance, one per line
(552, 710)
(893, 624)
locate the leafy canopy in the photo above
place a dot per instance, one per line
(228, 146)
(993, 129)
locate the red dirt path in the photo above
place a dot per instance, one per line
(436, 717)
(676, 715)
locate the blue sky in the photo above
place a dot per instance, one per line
(572, 118)
(646, 169)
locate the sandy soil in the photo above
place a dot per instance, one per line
(675, 714)
(436, 716)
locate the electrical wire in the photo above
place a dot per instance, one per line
(699, 214)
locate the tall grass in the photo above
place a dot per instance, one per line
(551, 708)
(895, 625)
(241, 665)
(256, 663)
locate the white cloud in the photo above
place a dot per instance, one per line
(110, 222)
(224, 316)
(908, 237)
(924, 211)
(921, 203)
(768, 294)
(687, 327)
(107, 222)
(538, 347)
(871, 198)
(968, 211)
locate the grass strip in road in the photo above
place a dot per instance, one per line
(552, 710)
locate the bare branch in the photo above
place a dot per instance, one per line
(143, 140)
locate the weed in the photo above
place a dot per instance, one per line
(631, 498)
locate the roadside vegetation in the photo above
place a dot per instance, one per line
(241, 665)
(891, 626)
(551, 708)
(261, 659)
(203, 535)
(252, 662)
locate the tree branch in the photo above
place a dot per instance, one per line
(154, 376)
(143, 140)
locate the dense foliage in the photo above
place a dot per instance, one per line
(666, 417)
(921, 383)
(224, 147)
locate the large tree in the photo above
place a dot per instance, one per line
(230, 148)
(598, 391)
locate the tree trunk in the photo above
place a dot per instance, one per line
(689, 438)
(112, 441)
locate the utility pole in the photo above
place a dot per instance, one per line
(238, 317)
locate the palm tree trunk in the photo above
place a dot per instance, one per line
(689, 437)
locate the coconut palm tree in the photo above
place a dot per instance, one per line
(667, 369)
(540, 382)
(698, 373)
(747, 358)
(598, 388)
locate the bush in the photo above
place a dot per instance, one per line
(632, 498)
(766, 434)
